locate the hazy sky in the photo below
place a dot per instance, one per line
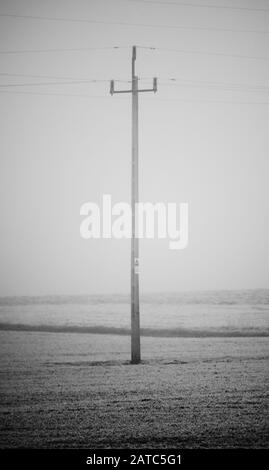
(200, 143)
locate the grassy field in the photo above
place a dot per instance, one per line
(61, 390)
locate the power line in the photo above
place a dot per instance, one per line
(54, 77)
(150, 48)
(69, 49)
(57, 77)
(72, 49)
(123, 98)
(234, 84)
(198, 5)
(210, 84)
(214, 87)
(70, 82)
(141, 25)
(171, 82)
(79, 95)
(171, 79)
(211, 101)
(221, 54)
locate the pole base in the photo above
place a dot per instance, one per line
(136, 361)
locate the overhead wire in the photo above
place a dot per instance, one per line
(141, 25)
(70, 82)
(191, 51)
(124, 98)
(200, 5)
(64, 49)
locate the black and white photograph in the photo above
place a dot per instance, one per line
(134, 253)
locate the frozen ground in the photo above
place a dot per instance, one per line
(72, 390)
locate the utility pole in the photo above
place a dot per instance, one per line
(135, 313)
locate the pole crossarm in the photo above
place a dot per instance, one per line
(143, 90)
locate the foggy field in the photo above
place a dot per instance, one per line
(79, 391)
(134, 200)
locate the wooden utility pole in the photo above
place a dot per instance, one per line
(135, 314)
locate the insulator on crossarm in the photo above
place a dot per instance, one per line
(154, 84)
